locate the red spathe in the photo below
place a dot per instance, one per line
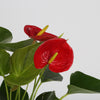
(45, 51)
(32, 31)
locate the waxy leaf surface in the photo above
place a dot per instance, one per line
(4, 62)
(51, 76)
(5, 35)
(82, 83)
(23, 70)
(15, 46)
(47, 96)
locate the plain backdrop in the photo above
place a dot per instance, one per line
(78, 19)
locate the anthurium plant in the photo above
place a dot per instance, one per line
(40, 59)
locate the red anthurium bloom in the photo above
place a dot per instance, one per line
(32, 32)
(45, 51)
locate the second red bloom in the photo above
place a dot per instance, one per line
(32, 32)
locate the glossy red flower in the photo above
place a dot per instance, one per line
(45, 51)
(32, 32)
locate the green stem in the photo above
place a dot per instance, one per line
(36, 83)
(36, 91)
(16, 95)
(25, 92)
(63, 96)
(19, 93)
(40, 75)
(33, 97)
(10, 94)
(6, 89)
(33, 88)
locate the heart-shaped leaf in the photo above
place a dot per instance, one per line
(22, 69)
(47, 96)
(50, 76)
(15, 46)
(3, 95)
(5, 35)
(4, 62)
(82, 83)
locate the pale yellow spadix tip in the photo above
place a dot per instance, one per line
(43, 30)
(61, 35)
(52, 58)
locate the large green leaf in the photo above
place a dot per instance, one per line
(4, 62)
(82, 83)
(5, 35)
(3, 95)
(47, 96)
(22, 69)
(51, 76)
(15, 46)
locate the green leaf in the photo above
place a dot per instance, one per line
(51, 76)
(22, 69)
(15, 46)
(4, 62)
(5, 35)
(47, 96)
(3, 95)
(82, 83)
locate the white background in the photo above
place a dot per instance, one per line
(78, 19)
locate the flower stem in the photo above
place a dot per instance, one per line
(7, 91)
(36, 91)
(63, 96)
(19, 93)
(6, 88)
(16, 95)
(36, 83)
(33, 88)
(25, 92)
(10, 94)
